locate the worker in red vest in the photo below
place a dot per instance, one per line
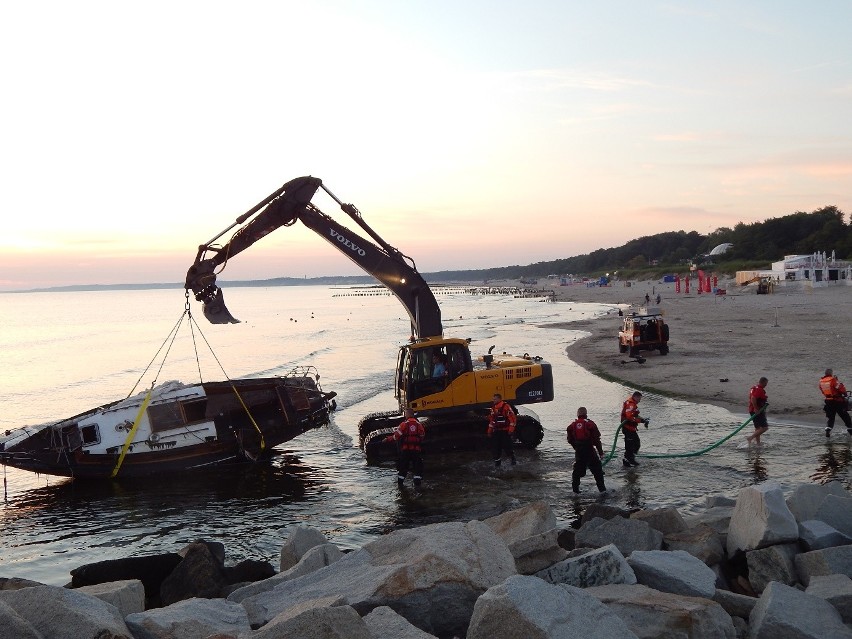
(410, 434)
(585, 439)
(630, 421)
(836, 403)
(501, 427)
(757, 403)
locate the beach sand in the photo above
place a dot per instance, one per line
(720, 345)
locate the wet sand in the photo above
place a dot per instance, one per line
(720, 345)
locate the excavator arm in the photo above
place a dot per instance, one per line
(284, 207)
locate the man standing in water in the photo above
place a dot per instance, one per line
(835, 401)
(630, 421)
(757, 403)
(410, 434)
(585, 439)
(501, 426)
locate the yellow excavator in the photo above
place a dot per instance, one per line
(453, 405)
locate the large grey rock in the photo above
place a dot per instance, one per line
(537, 552)
(627, 535)
(603, 511)
(314, 559)
(385, 623)
(836, 511)
(805, 499)
(783, 612)
(13, 626)
(651, 613)
(528, 607)
(515, 525)
(151, 570)
(595, 568)
(816, 535)
(761, 518)
(700, 541)
(836, 590)
(128, 595)
(717, 517)
(337, 622)
(711, 501)
(735, 604)
(16, 583)
(774, 563)
(674, 571)
(667, 520)
(190, 619)
(200, 574)
(300, 539)
(828, 561)
(63, 613)
(431, 575)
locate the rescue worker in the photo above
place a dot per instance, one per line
(757, 403)
(835, 401)
(585, 439)
(410, 434)
(630, 421)
(501, 426)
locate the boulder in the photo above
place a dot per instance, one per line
(16, 583)
(674, 571)
(301, 539)
(805, 499)
(735, 604)
(828, 561)
(216, 548)
(249, 570)
(594, 568)
(151, 570)
(603, 511)
(522, 523)
(200, 574)
(431, 575)
(13, 626)
(773, 563)
(385, 623)
(63, 613)
(712, 501)
(650, 613)
(816, 535)
(627, 535)
(537, 552)
(335, 622)
(783, 612)
(528, 607)
(836, 590)
(761, 518)
(128, 596)
(718, 518)
(316, 558)
(666, 520)
(836, 511)
(190, 618)
(700, 541)
(565, 537)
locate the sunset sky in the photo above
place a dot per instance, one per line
(469, 133)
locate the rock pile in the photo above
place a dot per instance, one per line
(763, 566)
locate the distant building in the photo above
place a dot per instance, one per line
(816, 269)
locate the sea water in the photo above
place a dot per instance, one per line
(64, 353)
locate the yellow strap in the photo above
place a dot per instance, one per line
(251, 417)
(131, 434)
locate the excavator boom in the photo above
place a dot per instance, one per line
(284, 207)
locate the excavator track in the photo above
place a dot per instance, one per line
(463, 432)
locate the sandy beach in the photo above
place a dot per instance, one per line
(721, 344)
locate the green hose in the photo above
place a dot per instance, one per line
(693, 453)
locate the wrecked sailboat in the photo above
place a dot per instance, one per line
(174, 427)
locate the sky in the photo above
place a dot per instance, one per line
(469, 134)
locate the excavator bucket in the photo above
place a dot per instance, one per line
(215, 310)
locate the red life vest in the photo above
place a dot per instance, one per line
(630, 415)
(832, 389)
(756, 398)
(502, 417)
(410, 434)
(580, 431)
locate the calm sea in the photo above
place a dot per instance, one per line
(63, 353)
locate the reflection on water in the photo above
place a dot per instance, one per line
(833, 463)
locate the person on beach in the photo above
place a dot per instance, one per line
(834, 393)
(757, 403)
(630, 421)
(501, 427)
(439, 367)
(410, 434)
(585, 439)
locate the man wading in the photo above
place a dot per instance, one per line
(630, 421)
(585, 439)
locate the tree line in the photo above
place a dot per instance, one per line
(769, 241)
